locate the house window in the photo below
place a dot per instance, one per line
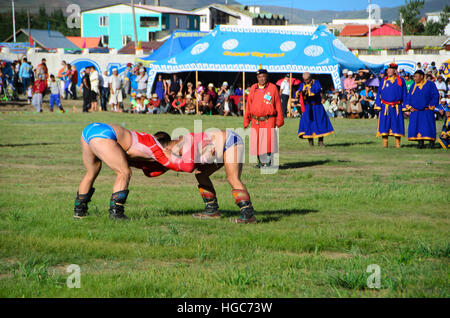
(151, 36)
(126, 39)
(188, 26)
(104, 21)
(195, 24)
(105, 39)
(149, 22)
(203, 19)
(177, 22)
(163, 23)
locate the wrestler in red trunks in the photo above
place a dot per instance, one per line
(207, 153)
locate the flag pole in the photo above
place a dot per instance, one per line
(290, 95)
(196, 90)
(14, 21)
(243, 92)
(134, 27)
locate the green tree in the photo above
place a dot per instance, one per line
(410, 13)
(438, 27)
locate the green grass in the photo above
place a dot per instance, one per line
(326, 215)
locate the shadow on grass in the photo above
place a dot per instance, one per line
(302, 164)
(30, 144)
(263, 216)
(346, 144)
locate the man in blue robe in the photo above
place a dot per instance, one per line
(390, 100)
(314, 122)
(444, 137)
(421, 102)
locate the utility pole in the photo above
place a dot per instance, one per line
(29, 29)
(134, 26)
(14, 21)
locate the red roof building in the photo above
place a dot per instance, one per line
(147, 47)
(376, 30)
(84, 42)
(387, 29)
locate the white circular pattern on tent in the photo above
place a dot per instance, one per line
(339, 45)
(313, 50)
(199, 48)
(288, 46)
(230, 44)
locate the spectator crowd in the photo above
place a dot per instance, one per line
(170, 94)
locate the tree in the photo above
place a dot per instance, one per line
(410, 13)
(438, 27)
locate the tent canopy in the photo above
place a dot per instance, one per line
(176, 43)
(236, 49)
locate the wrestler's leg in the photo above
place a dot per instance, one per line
(85, 190)
(233, 168)
(112, 154)
(207, 191)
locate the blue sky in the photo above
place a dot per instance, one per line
(337, 5)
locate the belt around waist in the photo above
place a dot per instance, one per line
(263, 118)
(418, 110)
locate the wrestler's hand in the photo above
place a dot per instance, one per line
(167, 152)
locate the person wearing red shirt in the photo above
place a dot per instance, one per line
(153, 104)
(38, 90)
(263, 113)
(179, 103)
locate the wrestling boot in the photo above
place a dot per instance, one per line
(242, 199)
(397, 142)
(431, 144)
(211, 205)
(81, 204)
(259, 164)
(421, 144)
(116, 205)
(311, 141)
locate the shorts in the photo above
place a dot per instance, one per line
(93, 96)
(98, 130)
(232, 139)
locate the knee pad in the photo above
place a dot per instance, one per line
(119, 198)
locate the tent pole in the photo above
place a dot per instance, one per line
(196, 89)
(290, 95)
(243, 92)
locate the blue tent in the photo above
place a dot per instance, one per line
(176, 43)
(237, 49)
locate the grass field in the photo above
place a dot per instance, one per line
(325, 217)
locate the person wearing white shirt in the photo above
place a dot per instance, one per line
(94, 78)
(104, 90)
(285, 90)
(115, 87)
(142, 81)
(441, 86)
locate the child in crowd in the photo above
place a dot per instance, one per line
(153, 104)
(189, 108)
(30, 93)
(55, 94)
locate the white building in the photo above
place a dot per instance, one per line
(240, 15)
(357, 21)
(434, 17)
